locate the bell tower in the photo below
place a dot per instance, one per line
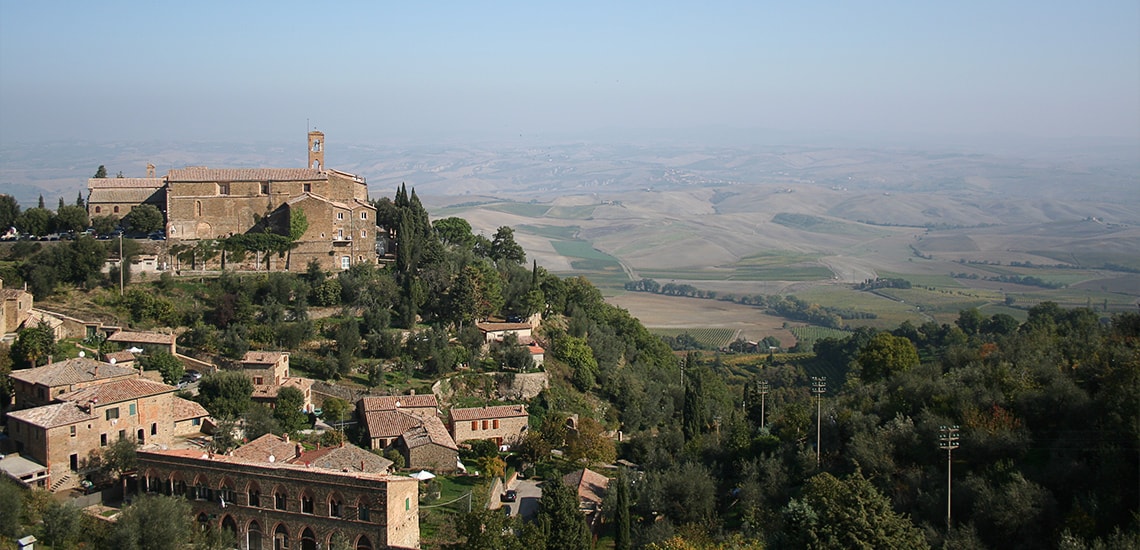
(317, 150)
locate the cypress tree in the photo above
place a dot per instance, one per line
(621, 513)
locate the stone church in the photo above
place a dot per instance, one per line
(216, 203)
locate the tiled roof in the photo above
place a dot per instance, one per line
(262, 357)
(260, 449)
(120, 357)
(197, 454)
(431, 431)
(203, 174)
(535, 349)
(393, 402)
(53, 415)
(115, 183)
(347, 457)
(482, 413)
(71, 371)
(590, 485)
(119, 390)
(128, 195)
(497, 327)
(141, 337)
(390, 423)
(185, 409)
(11, 293)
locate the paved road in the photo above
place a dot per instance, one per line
(527, 504)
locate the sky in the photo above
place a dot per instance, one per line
(387, 72)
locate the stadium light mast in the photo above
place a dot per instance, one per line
(818, 387)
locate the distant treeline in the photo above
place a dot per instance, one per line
(1109, 266)
(788, 307)
(930, 226)
(1027, 280)
(883, 282)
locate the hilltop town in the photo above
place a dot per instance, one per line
(270, 358)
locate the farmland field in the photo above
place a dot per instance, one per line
(808, 335)
(711, 338)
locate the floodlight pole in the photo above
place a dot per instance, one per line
(121, 264)
(948, 440)
(818, 387)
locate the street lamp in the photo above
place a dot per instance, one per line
(818, 387)
(948, 440)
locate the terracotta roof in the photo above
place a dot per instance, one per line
(497, 327)
(268, 445)
(116, 391)
(390, 423)
(128, 195)
(11, 293)
(481, 413)
(393, 402)
(345, 458)
(263, 357)
(535, 349)
(431, 431)
(197, 454)
(120, 356)
(203, 174)
(113, 183)
(71, 371)
(35, 317)
(590, 485)
(185, 409)
(141, 337)
(53, 415)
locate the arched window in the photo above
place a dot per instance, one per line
(230, 525)
(363, 512)
(198, 208)
(254, 494)
(203, 521)
(279, 499)
(116, 209)
(308, 540)
(306, 503)
(98, 209)
(363, 543)
(336, 506)
(280, 538)
(253, 536)
(226, 493)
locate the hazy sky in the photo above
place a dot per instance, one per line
(390, 71)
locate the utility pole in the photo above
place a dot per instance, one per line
(818, 387)
(763, 389)
(122, 264)
(948, 440)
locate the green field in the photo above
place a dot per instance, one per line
(712, 338)
(560, 232)
(600, 268)
(809, 334)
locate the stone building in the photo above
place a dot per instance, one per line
(411, 425)
(204, 203)
(64, 436)
(15, 307)
(503, 424)
(266, 367)
(118, 196)
(43, 385)
(428, 446)
(288, 505)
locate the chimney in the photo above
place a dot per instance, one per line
(299, 449)
(412, 392)
(361, 465)
(286, 437)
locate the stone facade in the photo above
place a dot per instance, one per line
(15, 307)
(504, 424)
(118, 196)
(340, 234)
(42, 385)
(429, 447)
(266, 367)
(277, 505)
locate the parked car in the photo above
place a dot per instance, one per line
(191, 376)
(510, 496)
